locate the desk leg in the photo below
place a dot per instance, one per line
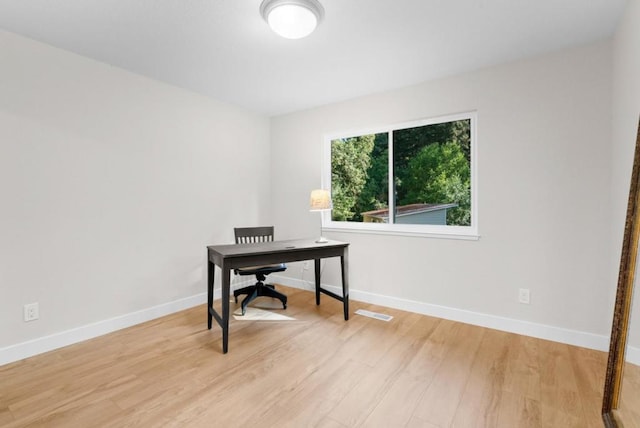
(317, 272)
(226, 285)
(210, 279)
(344, 265)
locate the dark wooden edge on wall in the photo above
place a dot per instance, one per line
(622, 307)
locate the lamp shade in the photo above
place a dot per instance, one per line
(292, 19)
(320, 200)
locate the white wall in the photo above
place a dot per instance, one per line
(111, 186)
(544, 130)
(626, 112)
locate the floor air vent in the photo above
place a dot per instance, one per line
(382, 317)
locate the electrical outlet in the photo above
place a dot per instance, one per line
(305, 265)
(31, 311)
(524, 296)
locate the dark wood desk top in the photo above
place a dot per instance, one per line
(231, 250)
(241, 255)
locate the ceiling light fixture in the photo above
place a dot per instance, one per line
(292, 19)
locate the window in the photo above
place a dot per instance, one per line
(414, 178)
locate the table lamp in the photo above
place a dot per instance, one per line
(320, 201)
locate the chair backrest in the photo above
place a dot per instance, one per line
(247, 235)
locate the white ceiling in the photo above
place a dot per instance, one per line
(223, 48)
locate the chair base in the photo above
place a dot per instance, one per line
(258, 290)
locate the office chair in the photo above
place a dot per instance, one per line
(246, 235)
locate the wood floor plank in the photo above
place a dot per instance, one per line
(518, 410)
(589, 380)
(398, 403)
(483, 391)
(315, 371)
(6, 417)
(523, 367)
(560, 397)
(441, 400)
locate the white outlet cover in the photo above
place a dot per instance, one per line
(31, 312)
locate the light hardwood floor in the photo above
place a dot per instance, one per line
(316, 371)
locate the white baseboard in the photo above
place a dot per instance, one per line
(40, 345)
(633, 355)
(43, 344)
(541, 331)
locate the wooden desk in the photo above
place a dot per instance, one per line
(229, 257)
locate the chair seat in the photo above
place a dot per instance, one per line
(264, 269)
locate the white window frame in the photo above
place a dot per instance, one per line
(426, 230)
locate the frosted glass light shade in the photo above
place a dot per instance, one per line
(292, 19)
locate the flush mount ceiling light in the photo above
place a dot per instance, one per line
(292, 19)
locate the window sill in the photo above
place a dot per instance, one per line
(458, 235)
